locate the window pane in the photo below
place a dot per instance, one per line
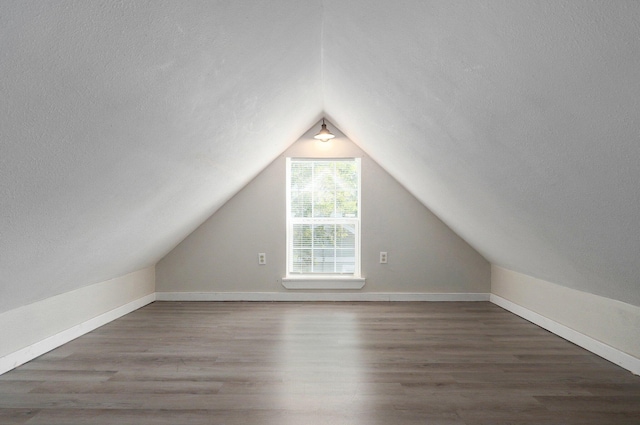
(323, 172)
(324, 202)
(347, 204)
(324, 235)
(345, 236)
(345, 261)
(302, 234)
(301, 173)
(346, 175)
(301, 204)
(323, 261)
(301, 261)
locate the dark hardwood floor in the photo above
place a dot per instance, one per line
(319, 363)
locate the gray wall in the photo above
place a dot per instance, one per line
(425, 256)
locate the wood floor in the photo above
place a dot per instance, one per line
(319, 363)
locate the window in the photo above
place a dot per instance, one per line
(323, 217)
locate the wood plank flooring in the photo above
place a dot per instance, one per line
(319, 363)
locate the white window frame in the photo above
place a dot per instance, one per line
(322, 280)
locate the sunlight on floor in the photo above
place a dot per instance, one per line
(321, 361)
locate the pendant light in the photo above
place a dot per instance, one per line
(324, 134)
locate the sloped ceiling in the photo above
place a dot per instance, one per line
(123, 125)
(515, 122)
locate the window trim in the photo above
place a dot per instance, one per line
(322, 280)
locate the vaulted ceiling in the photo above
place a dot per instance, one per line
(124, 125)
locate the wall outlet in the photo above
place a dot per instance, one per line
(383, 257)
(262, 258)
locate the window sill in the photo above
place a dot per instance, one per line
(323, 282)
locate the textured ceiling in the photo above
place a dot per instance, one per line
(123, 125)
(517, 123)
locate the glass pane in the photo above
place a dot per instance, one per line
(345, 260)
(344, 255)
(323, 172)
(301, 175)
(302, 235)
(323, 261)
(346, 175)
(323, 203)
(347, 204)
(324, 235)
(301, 261)
(301, 204)
(345, 236)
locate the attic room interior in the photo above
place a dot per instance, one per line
(177, 245)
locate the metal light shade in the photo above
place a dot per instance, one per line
(324, 134)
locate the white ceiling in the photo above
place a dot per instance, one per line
(123, 125)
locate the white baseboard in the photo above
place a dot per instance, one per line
(318, 296)
(17, 358)
(603, 350)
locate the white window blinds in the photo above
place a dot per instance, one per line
(323, 216)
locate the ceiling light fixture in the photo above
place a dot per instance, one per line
(324, 134)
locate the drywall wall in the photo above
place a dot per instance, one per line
(29, 331)
(425, 256)
(609, 321)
